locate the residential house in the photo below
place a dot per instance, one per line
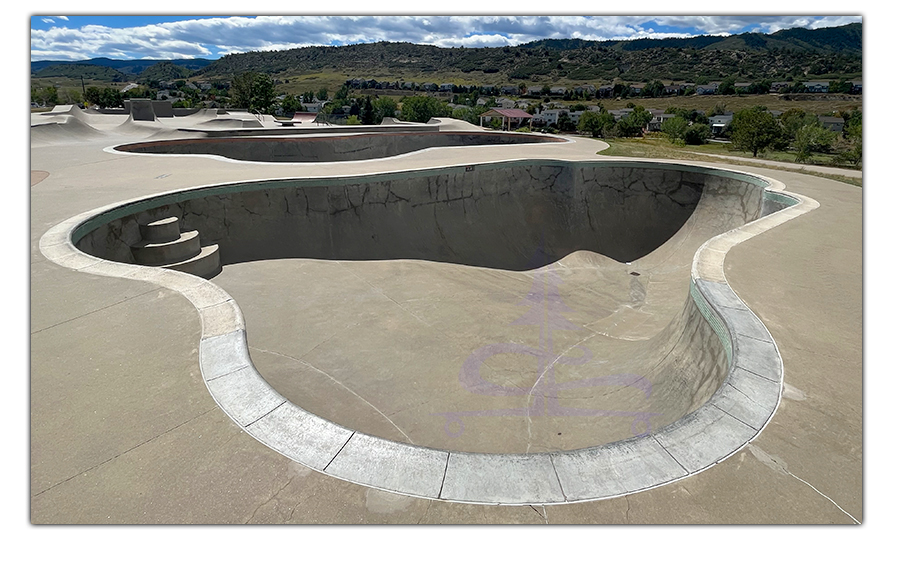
(549, 116)
(534, 91)
(835, 124)
(707, 89)
(557, 91)
(504, 103)
(445, 88)
(816, 87)
(655, 124)
(778, 87)
(857, 87)
(509, 90)
(620, 113)
(718, 123)
(604, 91)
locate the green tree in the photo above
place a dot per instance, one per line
(754, 129)
(322, 94)
(564, 122)
(591, 122)
(813, 137)
(367, 113)
(422, 108)
(675, 128)
(384, 107)
(254, 91)
(291, 104)
(697, 133)
(103, 97)
(726, 87)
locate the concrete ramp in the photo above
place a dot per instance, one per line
(61, 129)
(448, 124)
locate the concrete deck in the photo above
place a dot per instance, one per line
(116, 421)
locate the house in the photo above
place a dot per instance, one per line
(718, 123)
(655, 124)
(778, 87)
(509, 90)
(742, 87)
(504, 103)
(557, 91)
(673, 89)
(550, 116)
(586, 88)
(857, 87)
(835, 124)
(534, 91)
(604, 91)
(430, 87)
(523, 104)
(816, 87)
(707, 89)
(313, 107)
(446, 88)
(620, 113)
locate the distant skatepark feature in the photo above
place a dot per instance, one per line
(526, 330)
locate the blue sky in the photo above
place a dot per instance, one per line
(184, 36)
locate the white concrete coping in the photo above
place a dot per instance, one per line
(733, 417)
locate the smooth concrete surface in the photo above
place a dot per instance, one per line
(50, 209)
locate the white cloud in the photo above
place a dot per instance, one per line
(216, 36)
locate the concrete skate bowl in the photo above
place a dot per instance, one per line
(616, 405)
(330, 148)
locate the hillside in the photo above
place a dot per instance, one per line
(793, 54)
(785, 55)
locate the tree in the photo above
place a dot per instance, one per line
(591, 122)
(697, 133)
(726, 87)
(813, 137)
(291, 104)
(754, 129)
(103, 97)
(565, 123)
(384, 107)
(322, 94)
(675, 128)
(253, 90)
(422, 108)
(367, 114)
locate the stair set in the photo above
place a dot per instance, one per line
(164, 245)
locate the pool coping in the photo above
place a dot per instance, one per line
(734, 416)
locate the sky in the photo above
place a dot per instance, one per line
(82, 37)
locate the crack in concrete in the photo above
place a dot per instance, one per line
(126, 451)
(339, 383)
(273, 496)
(778, 465)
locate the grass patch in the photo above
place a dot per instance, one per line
(660, 148)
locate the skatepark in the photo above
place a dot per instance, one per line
(429, 323)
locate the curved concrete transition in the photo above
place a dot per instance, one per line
(662, 379)
(330, 147)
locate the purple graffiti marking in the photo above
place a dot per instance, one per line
(546, 309)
